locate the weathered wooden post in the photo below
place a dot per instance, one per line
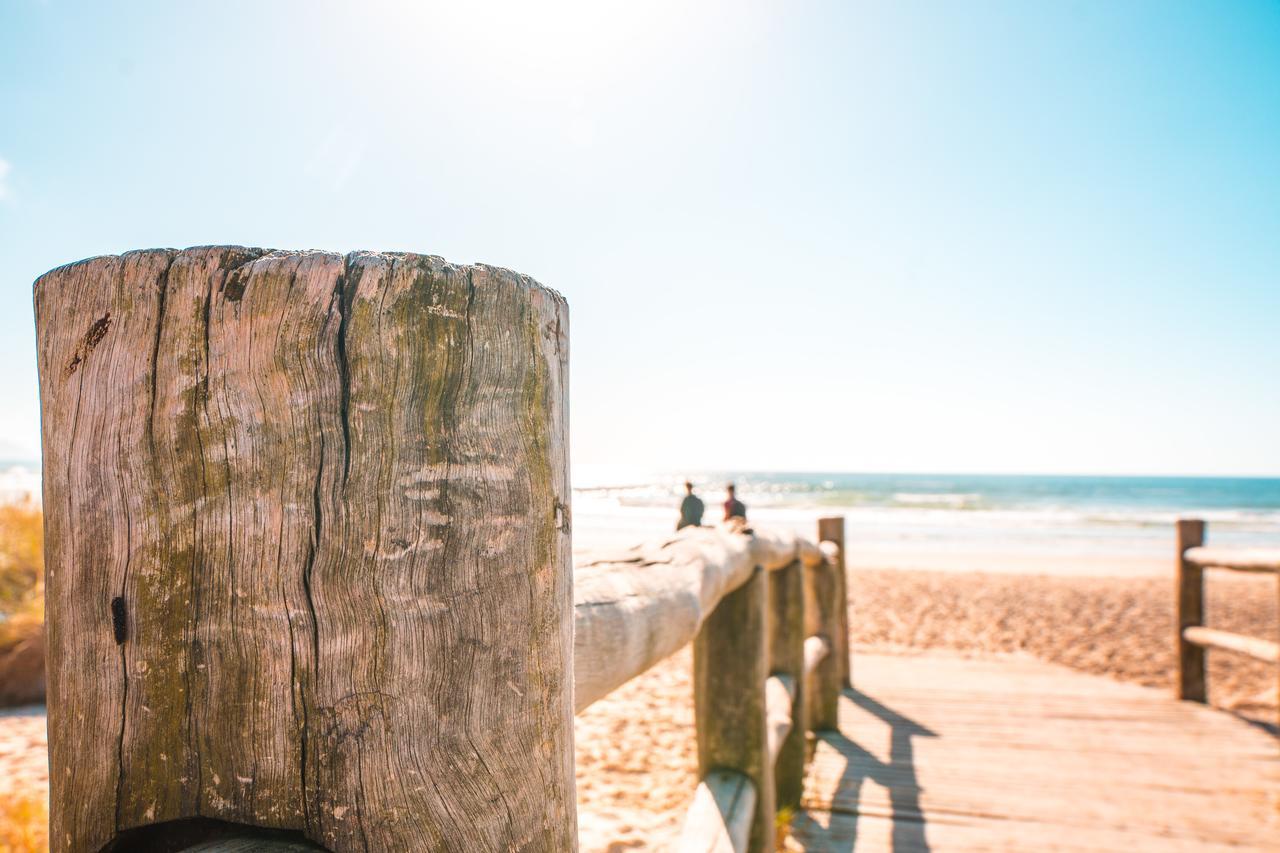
(822, 686)
(832, 530)
(1190, 598)
(730, 665)
(308, 551)
(786, 656)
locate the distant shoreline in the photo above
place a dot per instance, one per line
(20, 481)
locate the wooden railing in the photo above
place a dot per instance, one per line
(766, 613)
(309, 581)
(1193, 637)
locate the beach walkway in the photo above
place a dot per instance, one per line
(939, 752)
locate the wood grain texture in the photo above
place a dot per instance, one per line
(786, 659)
(1189, 595)
(730, 665)
(720, 817)
(331, 494)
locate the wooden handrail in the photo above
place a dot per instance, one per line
(1263, 560)
(1193, 637)
(639, 606)
(1255, 647)
(751, 721)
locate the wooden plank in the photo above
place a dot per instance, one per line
(1254, 647)
(1265, 560)
(307, 533)
(730, 666)
(721, 815)
(1189, 592)
(942, 752)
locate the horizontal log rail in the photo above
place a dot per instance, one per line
(1193, 638)
(1255, 647)
(638, 607)
(1264, 560)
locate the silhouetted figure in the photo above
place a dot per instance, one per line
(733, 508)
(691, 509)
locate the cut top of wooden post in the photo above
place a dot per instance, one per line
(307, 537)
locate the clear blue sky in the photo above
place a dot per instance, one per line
(1008, 237)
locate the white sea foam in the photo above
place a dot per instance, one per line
(1049, 516)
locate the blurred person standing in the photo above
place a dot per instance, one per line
(691, 509)
(733, 508)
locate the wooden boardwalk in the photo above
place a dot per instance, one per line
(945, 753)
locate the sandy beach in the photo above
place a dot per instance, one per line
(636, 755)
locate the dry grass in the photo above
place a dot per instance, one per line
(24, 824)
(21, 605)
(21, 556)
(636, 757)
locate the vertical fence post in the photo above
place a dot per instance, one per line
(786, 656)
(730, 666)
(1190, 611)
(820, 611)
(308, 558)
(832, 530)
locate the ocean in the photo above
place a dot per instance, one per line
(971, 522)
(1072, 524)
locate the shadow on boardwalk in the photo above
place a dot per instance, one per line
(944, 752)
(897, 775)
